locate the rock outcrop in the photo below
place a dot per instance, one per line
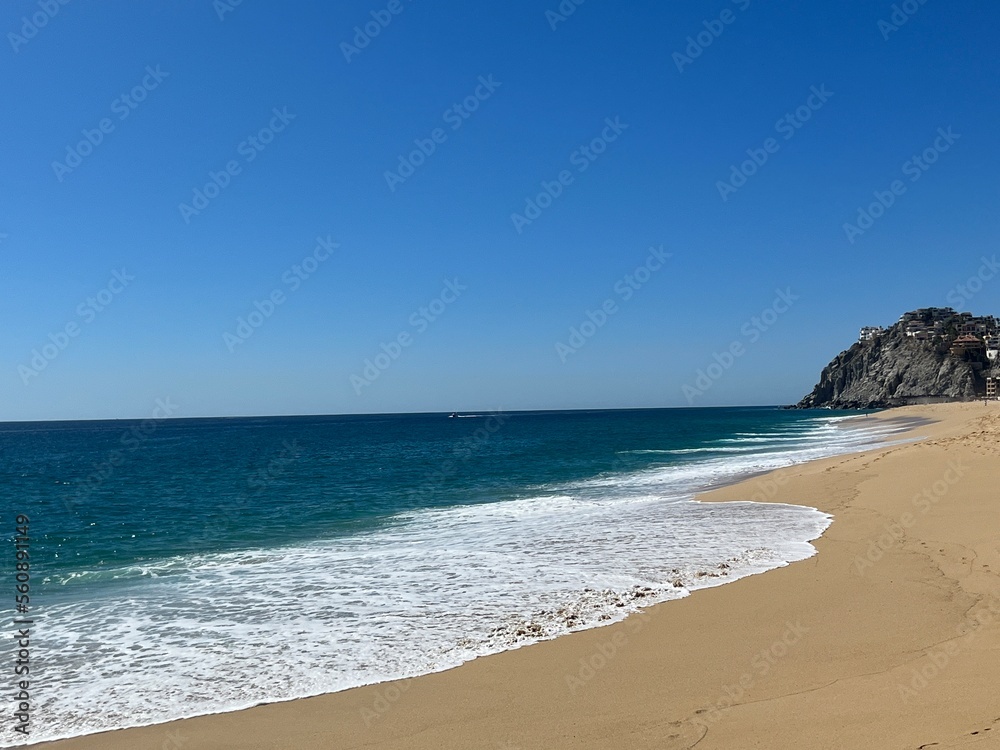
(893, 369)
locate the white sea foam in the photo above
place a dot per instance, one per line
(432, 589)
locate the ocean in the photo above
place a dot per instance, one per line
(192, 566)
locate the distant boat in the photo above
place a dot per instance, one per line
(453, 415)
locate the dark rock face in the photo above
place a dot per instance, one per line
(894, 370)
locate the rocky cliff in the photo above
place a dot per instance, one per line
(893, 369)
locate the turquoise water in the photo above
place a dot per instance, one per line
(184, 567)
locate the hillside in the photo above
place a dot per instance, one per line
(932, 354)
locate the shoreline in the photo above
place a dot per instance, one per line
(783, 553)
(362, 718)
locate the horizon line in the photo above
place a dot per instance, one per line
(412, 413)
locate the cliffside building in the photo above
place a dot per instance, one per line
(929, 315)
(993, 348)
(965, 344)
(974, 327)
(885, 367)
(927, 322)
(870, 332)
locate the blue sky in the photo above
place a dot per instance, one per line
(308, 212)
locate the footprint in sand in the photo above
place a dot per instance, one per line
(683, 735)
(969, 738)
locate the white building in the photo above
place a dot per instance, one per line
(993, 348)
(870, 332)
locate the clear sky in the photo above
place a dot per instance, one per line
(464, 183)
